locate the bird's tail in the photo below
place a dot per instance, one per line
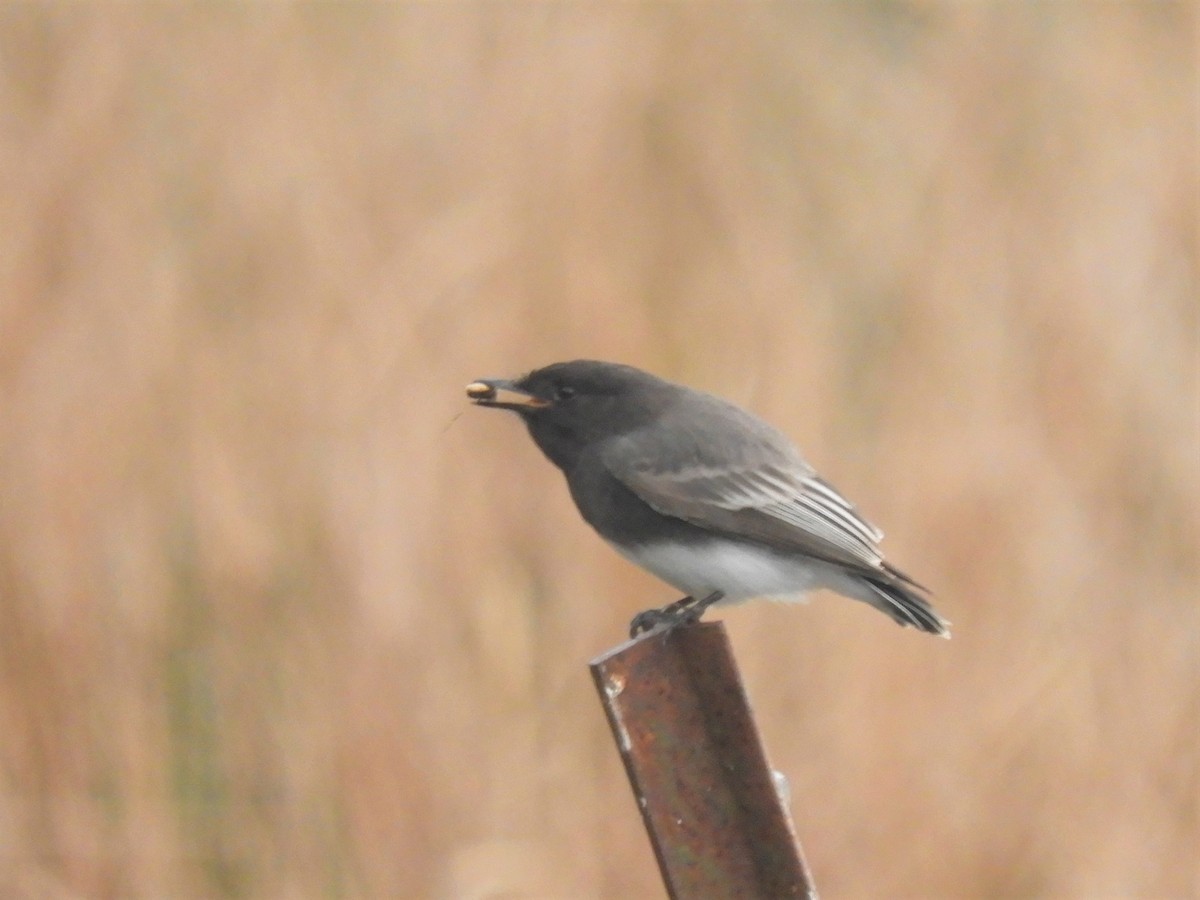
(897, 595)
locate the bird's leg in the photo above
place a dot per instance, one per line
(650, 619)
(682, 612)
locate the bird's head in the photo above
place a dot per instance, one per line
(570, 405)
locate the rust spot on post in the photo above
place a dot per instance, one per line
(699, 773)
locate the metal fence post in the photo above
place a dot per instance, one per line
(683, 726)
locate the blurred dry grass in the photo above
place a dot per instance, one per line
(275, 623)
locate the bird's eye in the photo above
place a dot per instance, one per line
(564, 392)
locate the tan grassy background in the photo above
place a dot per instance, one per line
(275, 621)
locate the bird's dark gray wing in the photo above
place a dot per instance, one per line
(756, 487)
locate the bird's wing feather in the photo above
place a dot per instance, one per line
(759, 488)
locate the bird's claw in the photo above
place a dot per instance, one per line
(682, 612)
(645, 621)
(667, 617)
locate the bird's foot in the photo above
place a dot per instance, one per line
(685, 611)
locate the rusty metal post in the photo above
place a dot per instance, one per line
(699, 773)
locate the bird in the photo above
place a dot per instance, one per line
(705, 495)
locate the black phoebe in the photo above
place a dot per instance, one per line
(711, 499)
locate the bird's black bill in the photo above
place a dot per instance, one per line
(502, 394)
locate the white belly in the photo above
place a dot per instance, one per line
(739, 571)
